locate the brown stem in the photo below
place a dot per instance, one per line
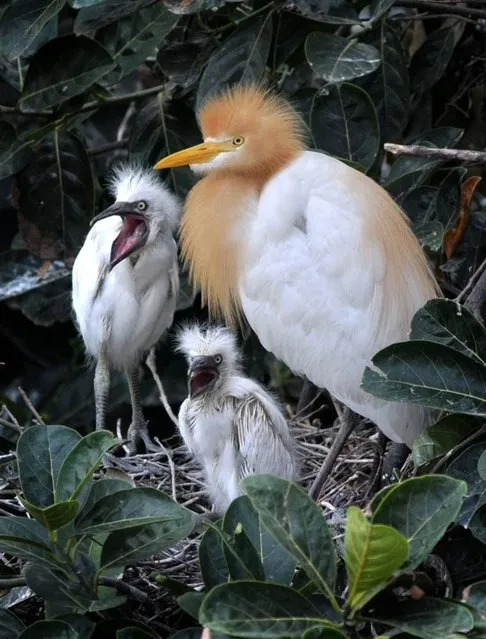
(123, 588)
(464, 155)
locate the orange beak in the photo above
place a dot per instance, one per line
(198, 154)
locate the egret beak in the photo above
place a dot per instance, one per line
(198, 154)
(133, 234)
(203, 374)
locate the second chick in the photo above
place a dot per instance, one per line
(229, 422)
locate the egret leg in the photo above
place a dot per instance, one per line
(101, 389)
(394, 458)
(137, 433)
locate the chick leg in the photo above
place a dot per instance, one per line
(101, 389)
(137, 432)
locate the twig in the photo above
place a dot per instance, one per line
(150, 361)
(31, 406)
(123, 588)
(11, 416)
(452, 9)
(472, 282)
(13, 582)
(171, 466)
(463, 155)
(465, 442)
(8, 424)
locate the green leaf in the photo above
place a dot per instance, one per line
(477, 524)
(187, 633)
(24, 538)
(372, 554)
(428, 617)
(475, 596)
(10, 626)
(437, 440)
(55, 516)
(295, 521)
(101, 488)
(190, 602)
(379, 8)
(465, 467)
(241, 556)
(135, 633)
(49, 630)
(23, 21)
(344, 123)
(333, 12)
(448, 323)
(421, 509)
(253, 609)
(278, 564)
(214, 568)
(131, 509)
(337, 59)
(124, 547)
(321, 632)
(183, 62)
(429, 374)
(80, 623)
(91, 18)
(482, 466)
(56, 197)
(241, 58)
(81, 463)
(14, 152)
(62, 69)
(430, 61)
(41, 450)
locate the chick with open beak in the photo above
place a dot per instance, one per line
(125, 285)
(229, 422)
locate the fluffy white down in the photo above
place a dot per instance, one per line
(133, 305)
(309, 298)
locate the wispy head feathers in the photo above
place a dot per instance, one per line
(194, 340)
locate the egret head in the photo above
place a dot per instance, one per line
(246, 129)
(147, 209)
(212, 354)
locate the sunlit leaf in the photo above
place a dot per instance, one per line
(337, 59)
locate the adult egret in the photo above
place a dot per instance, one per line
(125, 285)
(316, 255)
(229, 422)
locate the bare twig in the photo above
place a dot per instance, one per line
(150, 361)
(11, 425)
(474, 293)
(123, 588)
(13, 582)
(31, 406)
(443, 7)
(465, 442)
(463, 155)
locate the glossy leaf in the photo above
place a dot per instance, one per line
(421, 509)
(183, 62)
(253, 609)
(52, 629)
(190, 602)
(334, 12)
(449, 323)
(10, 625)
(338, 59)
(80, 623)
(465, 467)
(297, 524)
(91, 18)
(344, 124)
(24, 538)
(23, 21)
(102, 488)
(14, 152)
(437, 440)
(430, 61)
(55, 516)
(212, 560)
(454, 383)
(242, 57)
(373, 552)
(41, 451)
(81, 462)
(241, 556)
(321, 632)
(62, 69)
(379, 8)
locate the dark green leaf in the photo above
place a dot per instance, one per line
(56, 197)
(95, 17)
(430, 61)
(320, 632)
(241, 58)
(297, 524)
(447, 322)
(135, 633)
(337, 59)
(188, 633)
(183, 62)
(47, 305)
(133, 508)
(477, 524)
(443, 436)
(278, 564)
(373, 552)
(344, 124)
(421, 509)
(62, 69)
(23, 21)
(55, 516)
(253, 609)
(475, 596)
(41, 451)
(241, 556)
(428, 618)
(190, 602)
(213, 564)
(81, 463)
(19, 274)
(325, 11)
(80, 623)
(80, 4)
(428, 374)
(465, 467)
(10, 626)
(102, 488)
(49, 630)
(14, 152)
(482, 466)
(24, 538)
(449, 198)
(379, 8)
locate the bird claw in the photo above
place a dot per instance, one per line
(139, 439)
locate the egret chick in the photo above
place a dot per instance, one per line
(125, 285)
(229, 422)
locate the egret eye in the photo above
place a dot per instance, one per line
(218, 359)
(238, 140)
(141, 206)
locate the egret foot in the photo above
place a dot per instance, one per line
(101, 388)
(138, 436)
(394, 459)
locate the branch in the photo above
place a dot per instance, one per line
(123, 588)
(150, 361)
(441, 7)
(13, 582)
(464, 155)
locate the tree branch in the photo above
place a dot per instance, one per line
(123, 588)
(12, 582)
(464, 155)
(442, 7)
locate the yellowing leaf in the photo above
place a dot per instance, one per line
(372, 554)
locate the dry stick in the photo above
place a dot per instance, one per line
(150, 361)
(464, 155)
(31, 406)
(123, 588)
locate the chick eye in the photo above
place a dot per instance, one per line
(218, 359)
(142, 205)
(238, 140)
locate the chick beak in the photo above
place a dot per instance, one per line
(203, 374)
(133, 234)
